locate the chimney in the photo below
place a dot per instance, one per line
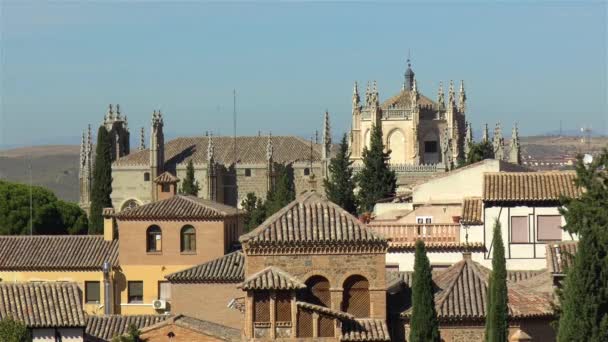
(108, 224)
(466, 255)
(107, 288)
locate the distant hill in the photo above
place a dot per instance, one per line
(56, 166)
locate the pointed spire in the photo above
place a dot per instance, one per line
(356, 98)
(118, 112)
(110, 112)
(468, 139)
(367, 95)
(269, 148)
(498, 143)
(374, 95)
(326, 136)
(142, 143)
(82, 150)
(414, 96)
(441, 96)
(462, 98)
(210, 149)
(485, 136)
(451, 95)
(515, 151)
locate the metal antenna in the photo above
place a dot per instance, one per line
(236, 188)
(31, 199)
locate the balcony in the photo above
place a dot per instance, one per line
(407, 234)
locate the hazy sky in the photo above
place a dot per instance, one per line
(62, 63)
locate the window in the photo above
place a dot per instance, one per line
(146, 176)
(247, 172)
(306, 171)
(356, 296)
(519, 229)
(424, 219)
(154, 239)
(135, 292)
(283, 307)
(261, 303)
(166, 187)
(91, 292)
(318, 291)
(164, 290)
(430, 146)
(549, 228)
(188, 239)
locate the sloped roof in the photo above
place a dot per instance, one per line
(471, 211)
(529, 186)
(311, 219)
(166, 178)
(226, 269)
(107, 327)
(56, 252)
(249, 149)
(38, 305)
(365, 330)
(220, 332)
(560, 256)
(178, 207)
(403, 99)
(324, 310)
(272, 278)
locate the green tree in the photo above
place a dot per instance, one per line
(497, 310)
(340, 186)
(424, 324)
(255, 211)
(283, 192)
(132, 335)
(50, 215)
(584, 299)
(102, 181)
(190, 185)
(479, 151)
(376, 180)
(12, 330)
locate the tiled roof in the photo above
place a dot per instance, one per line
(104, 328)
(471, 211)
(403, 99)
(178, 207)
(220, 332)
(310, 220)
(48, 304)
(365, 330)
(249, 149)
(560, 256)
(272, 278)
(166, 177)
(437, 246)
(56, 252)
(463, 289)
(529, 186)
(518, 276)
(226, 269)
(324, 310)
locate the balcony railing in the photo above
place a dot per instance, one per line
(409, 233)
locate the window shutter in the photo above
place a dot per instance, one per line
(261, 307)
(283, 307)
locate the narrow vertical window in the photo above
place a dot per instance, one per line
(188, 239)
(135, 292)
(154, 239)
(92, 292)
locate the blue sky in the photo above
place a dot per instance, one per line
(62, 63)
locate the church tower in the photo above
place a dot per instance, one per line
(118, 129)
(85, 171)
(157, 150)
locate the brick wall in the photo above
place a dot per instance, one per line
(181, 335)
(208, 302)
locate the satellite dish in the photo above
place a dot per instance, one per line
(587, 159)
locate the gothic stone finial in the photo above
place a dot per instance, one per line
(269, 148)
(142, 144)
(462, 98)
(440, 96)
(210, 148)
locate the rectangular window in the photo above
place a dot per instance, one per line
(136, 292)
(261, 311)
(519, 229)
(549, 228)
(424, 219)
(283, 307)
(164, 290)
(430, 147)
(146, 176)
(247, 172)
(306, 171)
(166, 188)
(92, 292)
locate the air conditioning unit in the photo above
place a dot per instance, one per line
(159, 304)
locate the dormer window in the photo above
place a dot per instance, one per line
(154, 239)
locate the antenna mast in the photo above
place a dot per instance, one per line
(236, 188)
(31, 200)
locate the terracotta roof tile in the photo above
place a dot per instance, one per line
(166, 178)
(324, 310)
(529, 186)
(178, 207)
(471, 211)
(560, 256)
(221, 332)
(365, 330)
(311, 219)
(403, 99)
(109, 326)
(48, 304)
(272, 278)
(438, 246)
(57, 252)
(226, 269)
(250, 150)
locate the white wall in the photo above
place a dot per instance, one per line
(67, 334)
(405, 260)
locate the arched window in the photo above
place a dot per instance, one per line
(356, 296)
(188, 239)
(318, 291)
(130, 204)
(154, 239)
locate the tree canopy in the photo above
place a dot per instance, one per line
(479, 151)
(424, 326)
(12, 330)
(584, 298)
(376, 180)
(497, 312)
(283, 191)
(340, 186)
(132, 335)
(102, 181)
(50, 215)
(190, 185)
(255, 211)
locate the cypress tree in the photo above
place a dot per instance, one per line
(283, 192)
(584, 299)
(102, 181)
(497, 310)
(424, 324)
(376, 180)
(190, 185)
(255, 211)
(340, 186)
